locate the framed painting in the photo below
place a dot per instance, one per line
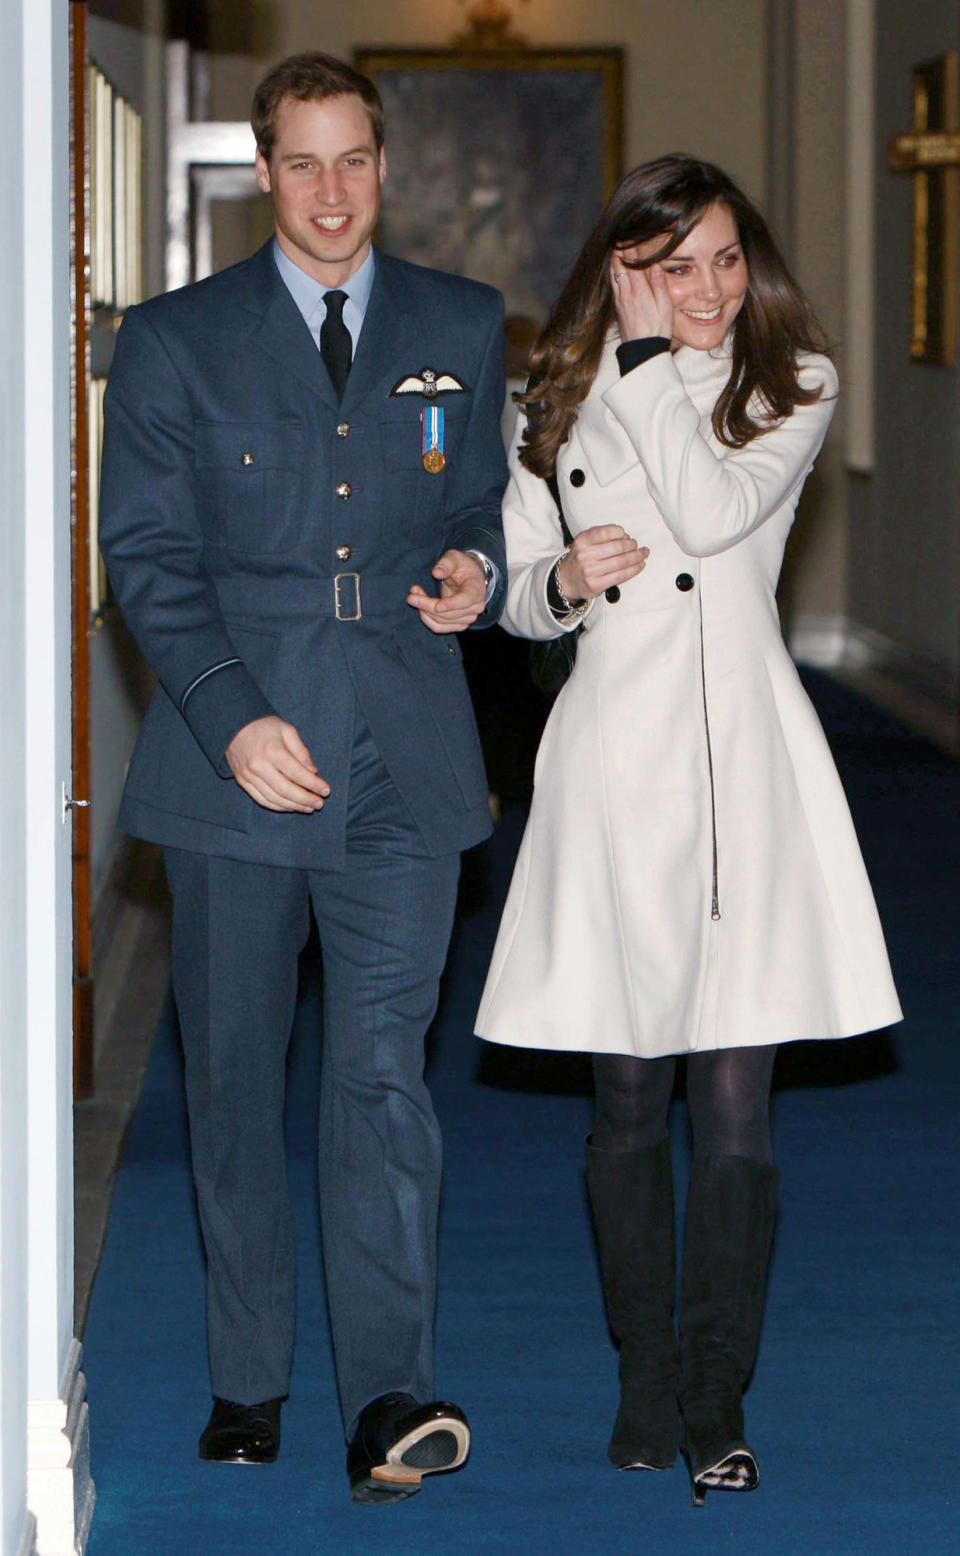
(498, 162)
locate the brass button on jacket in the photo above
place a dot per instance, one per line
(343, 553)
(247, 459)
(684, 582)
(344, 490)
(343, 429)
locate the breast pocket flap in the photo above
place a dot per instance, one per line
(249, 449)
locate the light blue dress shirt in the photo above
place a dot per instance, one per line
(308, 295)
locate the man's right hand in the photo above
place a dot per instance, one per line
(272, 764)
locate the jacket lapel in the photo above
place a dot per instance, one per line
(389, 329)
(279, 329)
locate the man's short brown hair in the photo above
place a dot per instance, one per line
(309, 78)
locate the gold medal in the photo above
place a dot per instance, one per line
(431, 445)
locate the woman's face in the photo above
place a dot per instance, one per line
(706, 279)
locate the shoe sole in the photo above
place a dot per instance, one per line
(239, 1458)
(433, 1448)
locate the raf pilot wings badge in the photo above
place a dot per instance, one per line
(430, 384)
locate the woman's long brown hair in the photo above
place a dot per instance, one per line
(665, 199)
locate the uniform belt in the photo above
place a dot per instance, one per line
(348, 596)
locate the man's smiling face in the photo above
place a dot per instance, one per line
(324, 176)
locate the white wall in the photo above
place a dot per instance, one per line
(695, 70)
(815, 575)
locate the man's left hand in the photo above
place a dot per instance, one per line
(463, 594)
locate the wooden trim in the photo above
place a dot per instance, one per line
(80, 559)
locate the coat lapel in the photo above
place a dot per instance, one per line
(389, 330)
(606, 446)
(279, 329)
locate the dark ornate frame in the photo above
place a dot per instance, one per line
(498, 76)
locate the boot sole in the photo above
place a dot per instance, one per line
(744, 1476)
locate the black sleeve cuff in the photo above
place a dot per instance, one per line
(632, 352)
(559, 607)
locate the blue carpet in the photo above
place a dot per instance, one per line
(854, 1405)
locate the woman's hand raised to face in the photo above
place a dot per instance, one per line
(598, 558)
(642, 300)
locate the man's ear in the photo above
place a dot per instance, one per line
(263, 173)
(383, 164)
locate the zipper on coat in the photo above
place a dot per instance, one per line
(715, 899)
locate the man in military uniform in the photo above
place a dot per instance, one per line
(300, 513)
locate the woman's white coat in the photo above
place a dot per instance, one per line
(682, 753)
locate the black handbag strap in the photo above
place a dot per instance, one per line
(553, 485)
(612, 594)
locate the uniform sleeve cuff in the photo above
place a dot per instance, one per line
(491, 573)
(631, 353)
(218, 706)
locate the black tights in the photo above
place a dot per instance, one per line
(728, 1092)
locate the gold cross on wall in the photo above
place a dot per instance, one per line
(931, 153)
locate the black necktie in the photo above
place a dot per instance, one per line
(336, 347)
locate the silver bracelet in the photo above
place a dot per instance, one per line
(571, 605)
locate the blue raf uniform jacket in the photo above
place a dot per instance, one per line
(235, 489)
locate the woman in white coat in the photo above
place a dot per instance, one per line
(689, 881)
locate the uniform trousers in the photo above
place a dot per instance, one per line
(384, 925)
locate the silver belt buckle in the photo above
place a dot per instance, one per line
(338, 582)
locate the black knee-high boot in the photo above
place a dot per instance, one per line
(631, 1195)
(731, 1210)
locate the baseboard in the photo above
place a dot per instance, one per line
(60, 1489)
(918, 689)
(818, 640)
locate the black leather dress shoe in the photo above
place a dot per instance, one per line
(242, 1434)
(397, 1442)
